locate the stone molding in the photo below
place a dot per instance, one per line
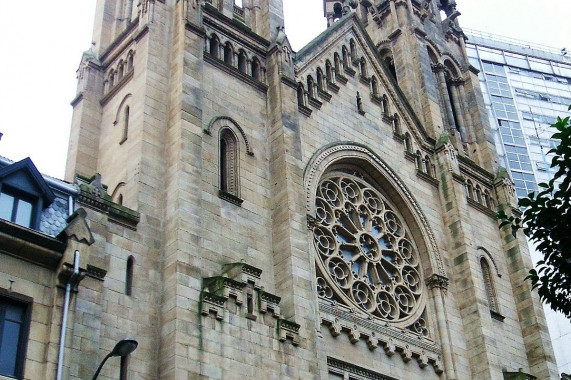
(340, 367)
(239, 281)
(218, 121)
(393, 340)
(341, 151)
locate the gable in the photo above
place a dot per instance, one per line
(25, 177)
(348, 37)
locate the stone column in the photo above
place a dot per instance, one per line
(459, 111)
(439, 70)
(438, 286)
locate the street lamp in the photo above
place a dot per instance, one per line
(123, 348)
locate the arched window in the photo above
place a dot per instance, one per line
(387, 58)
(120, 199)
(310, 87)
(129, 276)
(359, 237)
(214, 46)
(418, 160)
(345, 54)
(489, 285)
(328, 72)
(125, 130)
(469, 189)
(427, 166)
(120, 71)
(374, 86)
(385, 103)
(111, 79)
(478, 194)
(486, 198)
(353, 47)
(337, 63)
(363, 67)
(300, 95)
(242, 61)
(130, 61)
(228, 54)
(319, 79)
(407, 143)
(396, 125)
(256, 72)
(228, 162)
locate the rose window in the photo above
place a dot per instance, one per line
(365, 254)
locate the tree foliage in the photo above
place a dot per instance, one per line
(546, 221)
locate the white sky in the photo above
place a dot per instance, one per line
(41, 44)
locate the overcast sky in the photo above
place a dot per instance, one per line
(41, 44)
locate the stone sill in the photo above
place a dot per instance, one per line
(304, 110)
(426, 177)
(235, 72)
(491, 213)
(230, 197)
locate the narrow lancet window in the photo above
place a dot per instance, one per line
(129, 276)
(228, 162)
(125, 130)
(489, 285)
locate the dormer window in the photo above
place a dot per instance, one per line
(23, 194)
(16, 207)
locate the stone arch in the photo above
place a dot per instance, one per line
(388, 182)
(483, 252)
(451, 62)
(119, 109)
(242, 61)
(345, 57)
(300, 94)
(256, 69)
(310, 86)
(214, 46)
(228, 53)
(117, 193)
(320, 80)
(337, 63)
(328, 71)
(222, 121)
(353, 49)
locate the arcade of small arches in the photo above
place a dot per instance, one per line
(483, 197)
(120, 71)
(235, 57)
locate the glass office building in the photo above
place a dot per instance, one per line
(525, 88)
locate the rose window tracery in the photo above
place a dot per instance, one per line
(366, 256)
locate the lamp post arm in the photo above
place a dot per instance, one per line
(101, 366)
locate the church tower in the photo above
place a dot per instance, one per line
(320, 214)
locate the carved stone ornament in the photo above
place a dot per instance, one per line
(366, 254)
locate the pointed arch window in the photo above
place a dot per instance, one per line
(469, 189)
(300, 95)
(490, 289)
(256, 69)
(320, 80)
(385, 104)
(214, 46)
(353, 47)
(337, 63)
(363, 67)
(242, 61)
(374, 86)
(228, 54)
(310, 87)
(229, 162)
(129, 275)
(418, 160)
(345, 54)
(396, 125)
(427, 166)
(328, 72)
(407, 143)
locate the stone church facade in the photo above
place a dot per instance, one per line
(270, 214)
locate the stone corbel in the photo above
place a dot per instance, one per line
(214, 304)
(269, 302)
(288, 330)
